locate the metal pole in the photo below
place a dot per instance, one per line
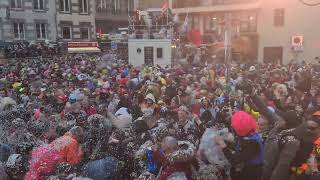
(228, 43)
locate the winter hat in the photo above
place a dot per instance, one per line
(243, 123)
(72, 98)
(6, 103)
(252, 69)
(316, 117)
(271, 109)
(123, 120)
(151, 97)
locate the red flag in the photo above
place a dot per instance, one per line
(99, 32)
(194, 36)
(165, 6)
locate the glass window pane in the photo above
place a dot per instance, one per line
(81, 6)
(19, 3)
(38, 31)
(21, 28)
(67, 5)
(20, 33)
(41, 4)
(66, 34)
(85, 5)
(43, 31)
(35, 4)
(159, 53)
(15, 30)
(61, 4)
(84, 33)
(13, 3)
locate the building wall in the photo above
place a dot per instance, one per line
(145, 4)
(76, 20)
(208, 15)
(299, 20)
(29, 16)
(107, 19)
(137, 59)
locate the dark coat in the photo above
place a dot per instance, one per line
(101, 169)
(285, 150)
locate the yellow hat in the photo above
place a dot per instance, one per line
(163, 81)
(16, 85)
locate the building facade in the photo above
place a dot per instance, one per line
(211, 16)
(267, 25)
(27, 20)
(145, 4)
(113, 14)
(75, 20)
(279, 22)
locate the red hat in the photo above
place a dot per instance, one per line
(63, 98)
(243, 123)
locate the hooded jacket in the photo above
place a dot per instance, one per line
(68, 148)
(43, 162)
(290, 148)
(177, 162)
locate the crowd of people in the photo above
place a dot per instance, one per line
(25, 49)
(81, 117)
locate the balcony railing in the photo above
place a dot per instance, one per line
(150, 32)
(200, 3)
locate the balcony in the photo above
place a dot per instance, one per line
(150, 32)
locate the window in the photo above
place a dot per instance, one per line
(83, 6)
(84, 33)
(115, 6)
(64, 5)
(102, 6)
(248, 21)
(41, 30)
(18, 29)
(66, 32)
(130, 6)
(278, 17)
(16, 3)
(159, 53)
(38, 4)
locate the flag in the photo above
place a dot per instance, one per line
(176, 18)
(99, 32)
(195, 37)
(185, 26)
(165, 6)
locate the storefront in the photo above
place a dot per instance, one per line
(83, 47)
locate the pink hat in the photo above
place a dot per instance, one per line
(37, 113)
(243, 123)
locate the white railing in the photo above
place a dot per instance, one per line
(150, 32)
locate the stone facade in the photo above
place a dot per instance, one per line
(75, 20)
(25, 20)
